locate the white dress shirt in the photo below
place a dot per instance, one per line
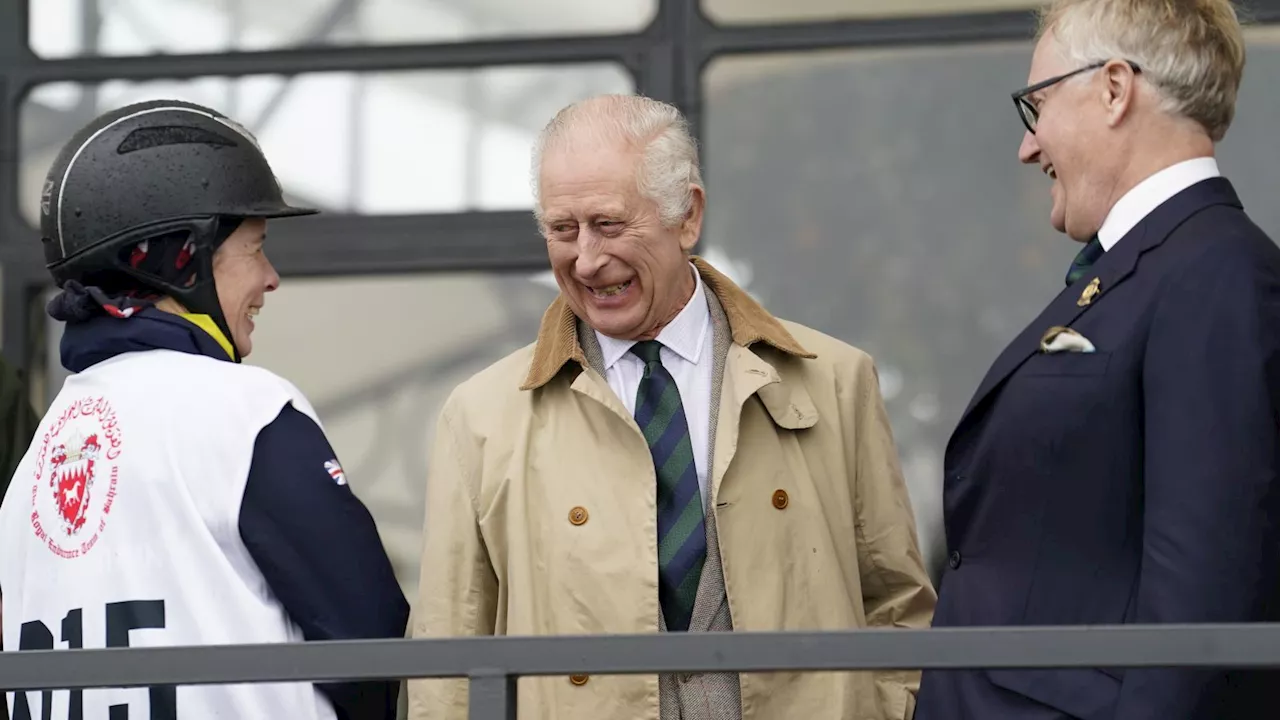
(686, 354)
(1149, 194)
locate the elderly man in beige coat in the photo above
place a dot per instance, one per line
(666, 456)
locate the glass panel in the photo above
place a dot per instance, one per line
(891, 212)
(377, 371)
(402, 142)
(67, 28)
(744, 12)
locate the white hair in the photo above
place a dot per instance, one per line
(669, 164)
(1191, 52)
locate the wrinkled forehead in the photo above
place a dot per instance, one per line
(601, 168)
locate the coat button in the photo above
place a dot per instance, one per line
(578, 680)
(780, 499)
(578, 515)
(954, 560)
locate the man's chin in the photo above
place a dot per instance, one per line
(1058, 222)
(612, 324)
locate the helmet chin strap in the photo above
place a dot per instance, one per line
(201, 297)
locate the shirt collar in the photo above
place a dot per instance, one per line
(1149, 194)
(683, 336)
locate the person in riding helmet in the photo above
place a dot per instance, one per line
(174, 496)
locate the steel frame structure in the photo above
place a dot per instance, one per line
(494, 664)
(666, 59)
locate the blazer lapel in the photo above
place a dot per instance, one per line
(1112, 268)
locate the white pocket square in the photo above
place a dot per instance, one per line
(1063, 339)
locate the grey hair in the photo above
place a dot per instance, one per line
(1191, 52)
(669, 165)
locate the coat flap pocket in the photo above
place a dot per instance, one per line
(1084, 693)
(1066, 363)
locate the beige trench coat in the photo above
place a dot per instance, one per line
(541, 518)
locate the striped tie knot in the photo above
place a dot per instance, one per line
(648, 351)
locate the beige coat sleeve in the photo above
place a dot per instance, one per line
(457, 588)
(896, 588)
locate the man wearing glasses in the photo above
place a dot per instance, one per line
(1118, 464)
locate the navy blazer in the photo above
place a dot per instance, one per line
(1134, 484)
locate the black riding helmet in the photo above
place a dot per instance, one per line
(153, 171)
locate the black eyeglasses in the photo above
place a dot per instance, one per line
(1027, 109)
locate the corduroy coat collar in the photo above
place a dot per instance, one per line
(749, 323)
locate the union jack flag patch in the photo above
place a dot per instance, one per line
(335, 471)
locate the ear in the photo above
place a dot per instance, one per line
(691, 228)
(1119, 90)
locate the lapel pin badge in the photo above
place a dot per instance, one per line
(1090, 292)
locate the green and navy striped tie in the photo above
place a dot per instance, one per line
(682, 539)
(1085, 259)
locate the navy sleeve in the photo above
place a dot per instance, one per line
(318, 548)
(1211, 518)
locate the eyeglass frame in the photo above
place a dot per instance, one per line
(1029, 113)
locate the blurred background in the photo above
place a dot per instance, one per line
(860, 158)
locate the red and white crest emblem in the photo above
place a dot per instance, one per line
(78, 455)
(71, 479)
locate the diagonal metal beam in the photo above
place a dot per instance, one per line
(492, 344)
(133, 17)
(44, 127)
(341, 11)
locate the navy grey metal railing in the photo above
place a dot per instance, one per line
(494, 664)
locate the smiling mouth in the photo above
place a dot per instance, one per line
(609, 290)
(1048, 170)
